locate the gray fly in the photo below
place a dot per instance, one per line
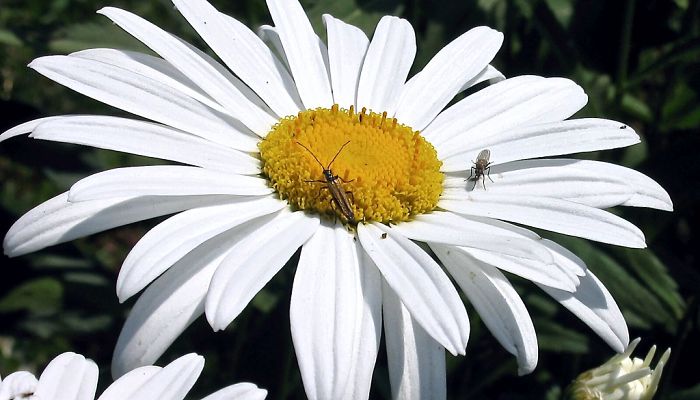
(481, 168)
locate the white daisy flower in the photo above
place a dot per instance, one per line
(328, 147)
(71, 376)
(621, 377)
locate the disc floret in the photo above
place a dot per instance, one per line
(389, 172)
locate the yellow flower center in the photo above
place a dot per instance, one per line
(387, 172)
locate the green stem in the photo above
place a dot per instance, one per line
(684, 328)
(284, 386)
(623, 60)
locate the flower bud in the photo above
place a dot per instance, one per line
(621, 378)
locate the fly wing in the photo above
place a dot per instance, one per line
(484, 155)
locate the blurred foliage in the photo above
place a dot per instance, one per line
(637, 60)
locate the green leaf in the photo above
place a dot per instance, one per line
(265, 301)
(554, 393)
(556, 338)
(77, 323)
(54, 261)
(654, 274)
(10, 39)
(688, 394)
(40, 296)
(488, 5)
(45, 328)
(637, 302)
(633, 156)
(351, 13)
(86, 278)
(684, 51)
(543, 305)
(636, 108)
(681, 111)
(92, 35)
(562, 10)
(525, 8)
(682, 4)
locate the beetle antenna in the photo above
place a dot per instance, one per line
(312, 154)
(336, 154)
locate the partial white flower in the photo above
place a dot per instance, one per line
(71, 376)
(18, 385)
(256, 134)
(621, 377)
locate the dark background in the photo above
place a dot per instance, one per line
(637, 60)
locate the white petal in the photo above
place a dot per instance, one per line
(546, 274)
(165, 180)
(247, 56)
(152, 67)
(552, 214)
(302, 50)
(542, 140)
(388, 60)
(561, 269)
(489, 73)
(416, 361)
(557, 181)
(146, 139)
(429, 91)
(69, 376)
(449, 228)
(125, 386)
(645, 191)
(510, 104)
(253, 261)
(226, 73)
(496, 301)
(28, 126)
(194, 67)
(269, 35)
(18, 385)
(347, 46)
(170, 304)
(178, 235)
(561, 257)
(420, 283)
(566, 259)
(173, 381)
(593, 304)
(327, 312)
(367, 346)
(57, 220)
(239, 391)
(144, 96)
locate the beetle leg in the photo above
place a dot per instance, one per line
(319, 191)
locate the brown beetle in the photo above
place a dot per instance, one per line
(481, 168)
(333, 184)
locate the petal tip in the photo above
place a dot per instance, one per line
(214, 321)
(122, 297)
(526, 369)
(73, 197)
(667, 205)
(9, 248)
(40, 62)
